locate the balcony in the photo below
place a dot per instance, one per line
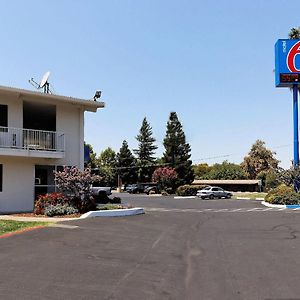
(31, 143)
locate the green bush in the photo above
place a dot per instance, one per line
(102, 198)
(169, 190)
(188, 190)
(60, 210)
(56, 203)
(164, 193)
(283, 195)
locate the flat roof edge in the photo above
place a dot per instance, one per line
(88, 104)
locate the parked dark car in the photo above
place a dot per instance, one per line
(212, 192)
(135, 188)
(151, 189)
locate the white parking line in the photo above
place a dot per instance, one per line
(207, 210)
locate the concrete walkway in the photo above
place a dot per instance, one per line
(35, 219)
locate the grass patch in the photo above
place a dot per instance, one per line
(250, 195)
(110, 206)
(10, 226)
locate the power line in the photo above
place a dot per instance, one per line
(233, 154)
(213, 157)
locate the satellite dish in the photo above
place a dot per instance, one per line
(45, 85)
(44, 79)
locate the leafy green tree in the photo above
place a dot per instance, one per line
(107, 162)
(92, 163)
(288, 176)
(269, 179)
(201, 170)
(294, 33)
(226, 171)
(126, 164)
(259, 159)
(177, 151)
(145, 152)
(159, 162)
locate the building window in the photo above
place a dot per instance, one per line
(1, 177)
(3, 115)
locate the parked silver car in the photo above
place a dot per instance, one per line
(212, 192)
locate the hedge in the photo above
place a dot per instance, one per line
(189, 190)
(283, 195)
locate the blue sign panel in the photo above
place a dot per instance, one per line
(86, 154)
(287, 63)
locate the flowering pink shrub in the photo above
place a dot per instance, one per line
(76, 186)
(166, 177)
(49, 199)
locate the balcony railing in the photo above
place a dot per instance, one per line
(31, 139)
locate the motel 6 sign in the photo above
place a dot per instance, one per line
(287, 63)
(287, 74)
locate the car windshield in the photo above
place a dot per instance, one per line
(207, 188)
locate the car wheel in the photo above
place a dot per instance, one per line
(228, 196)
(211, 196)
(202, 198)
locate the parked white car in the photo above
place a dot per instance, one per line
(212, 192)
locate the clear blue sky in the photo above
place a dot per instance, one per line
(210, 61)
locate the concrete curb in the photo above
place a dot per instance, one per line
(280, 205)
(114, 213)
(185, 197)
(273, 205)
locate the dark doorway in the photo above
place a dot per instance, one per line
(39, 116)
(44, 180)
(3, 116)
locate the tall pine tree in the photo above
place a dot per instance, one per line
(145, 152)
(126, 164)
(177, 150)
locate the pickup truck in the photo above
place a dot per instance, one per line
(100, 190)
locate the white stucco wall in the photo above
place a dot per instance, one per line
(18, 185)
(15, 111)
(69, 119)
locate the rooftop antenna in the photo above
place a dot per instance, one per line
(97, 95)
(44, 84)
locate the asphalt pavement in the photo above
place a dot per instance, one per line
(180, 249)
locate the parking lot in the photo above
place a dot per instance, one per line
(180, 249)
